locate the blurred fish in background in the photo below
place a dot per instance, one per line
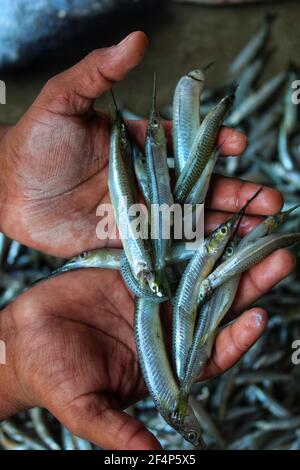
(28, 29)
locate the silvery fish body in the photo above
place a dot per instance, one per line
(186, 116)
(157, 372)
(121, 183)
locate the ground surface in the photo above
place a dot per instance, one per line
(182, 37)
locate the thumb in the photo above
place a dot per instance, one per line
(107, 427)
(73, 92)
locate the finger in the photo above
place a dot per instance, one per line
(230, 194)
(214, 218)
(231, 141)
(261, 278)
(106, 427)
(235, 340)
(73, 91)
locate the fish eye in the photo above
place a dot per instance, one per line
(155, 287)
(83, 255)
(229, 251)
(224, 230)
(192, 436)
(155, 122)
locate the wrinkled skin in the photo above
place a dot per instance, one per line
(70, 339)
(74, 354)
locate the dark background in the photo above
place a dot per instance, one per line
(182, 37)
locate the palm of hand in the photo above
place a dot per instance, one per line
(60, 178)
(75, 354)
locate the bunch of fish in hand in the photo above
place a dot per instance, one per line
(200, 283)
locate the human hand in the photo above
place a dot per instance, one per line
(74, 354)
(54, 161)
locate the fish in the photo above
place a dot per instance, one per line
(186, 115)
(185, 302)
(251, 49)
(255, 101)
(278, 425)
(157, 372)
(123, 196)
(20, 435)
(210, 316)
(161, 197)
(202, 148)
(243, 259)
(42, 428)
(255, 393)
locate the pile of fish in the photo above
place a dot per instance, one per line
(254, 405)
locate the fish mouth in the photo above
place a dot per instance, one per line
(150, 279)
(155, 289)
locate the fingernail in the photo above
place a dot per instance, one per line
(258, 319)
(125, 39)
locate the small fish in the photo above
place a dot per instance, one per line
(210, 316)
(251, 49)
(121, 184)
(255, 393)
(13, 252)
(185, 302)
(102, 258)
(157, 371)
(15, 432)
(202, 148)
(265, 122)
(42, 428)
(284, 154)
(186, 115)
(255, 101)
(246, 79)
(279, 425)
(261, 376)
(206, 421)
(161, 197)
(243, 259)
